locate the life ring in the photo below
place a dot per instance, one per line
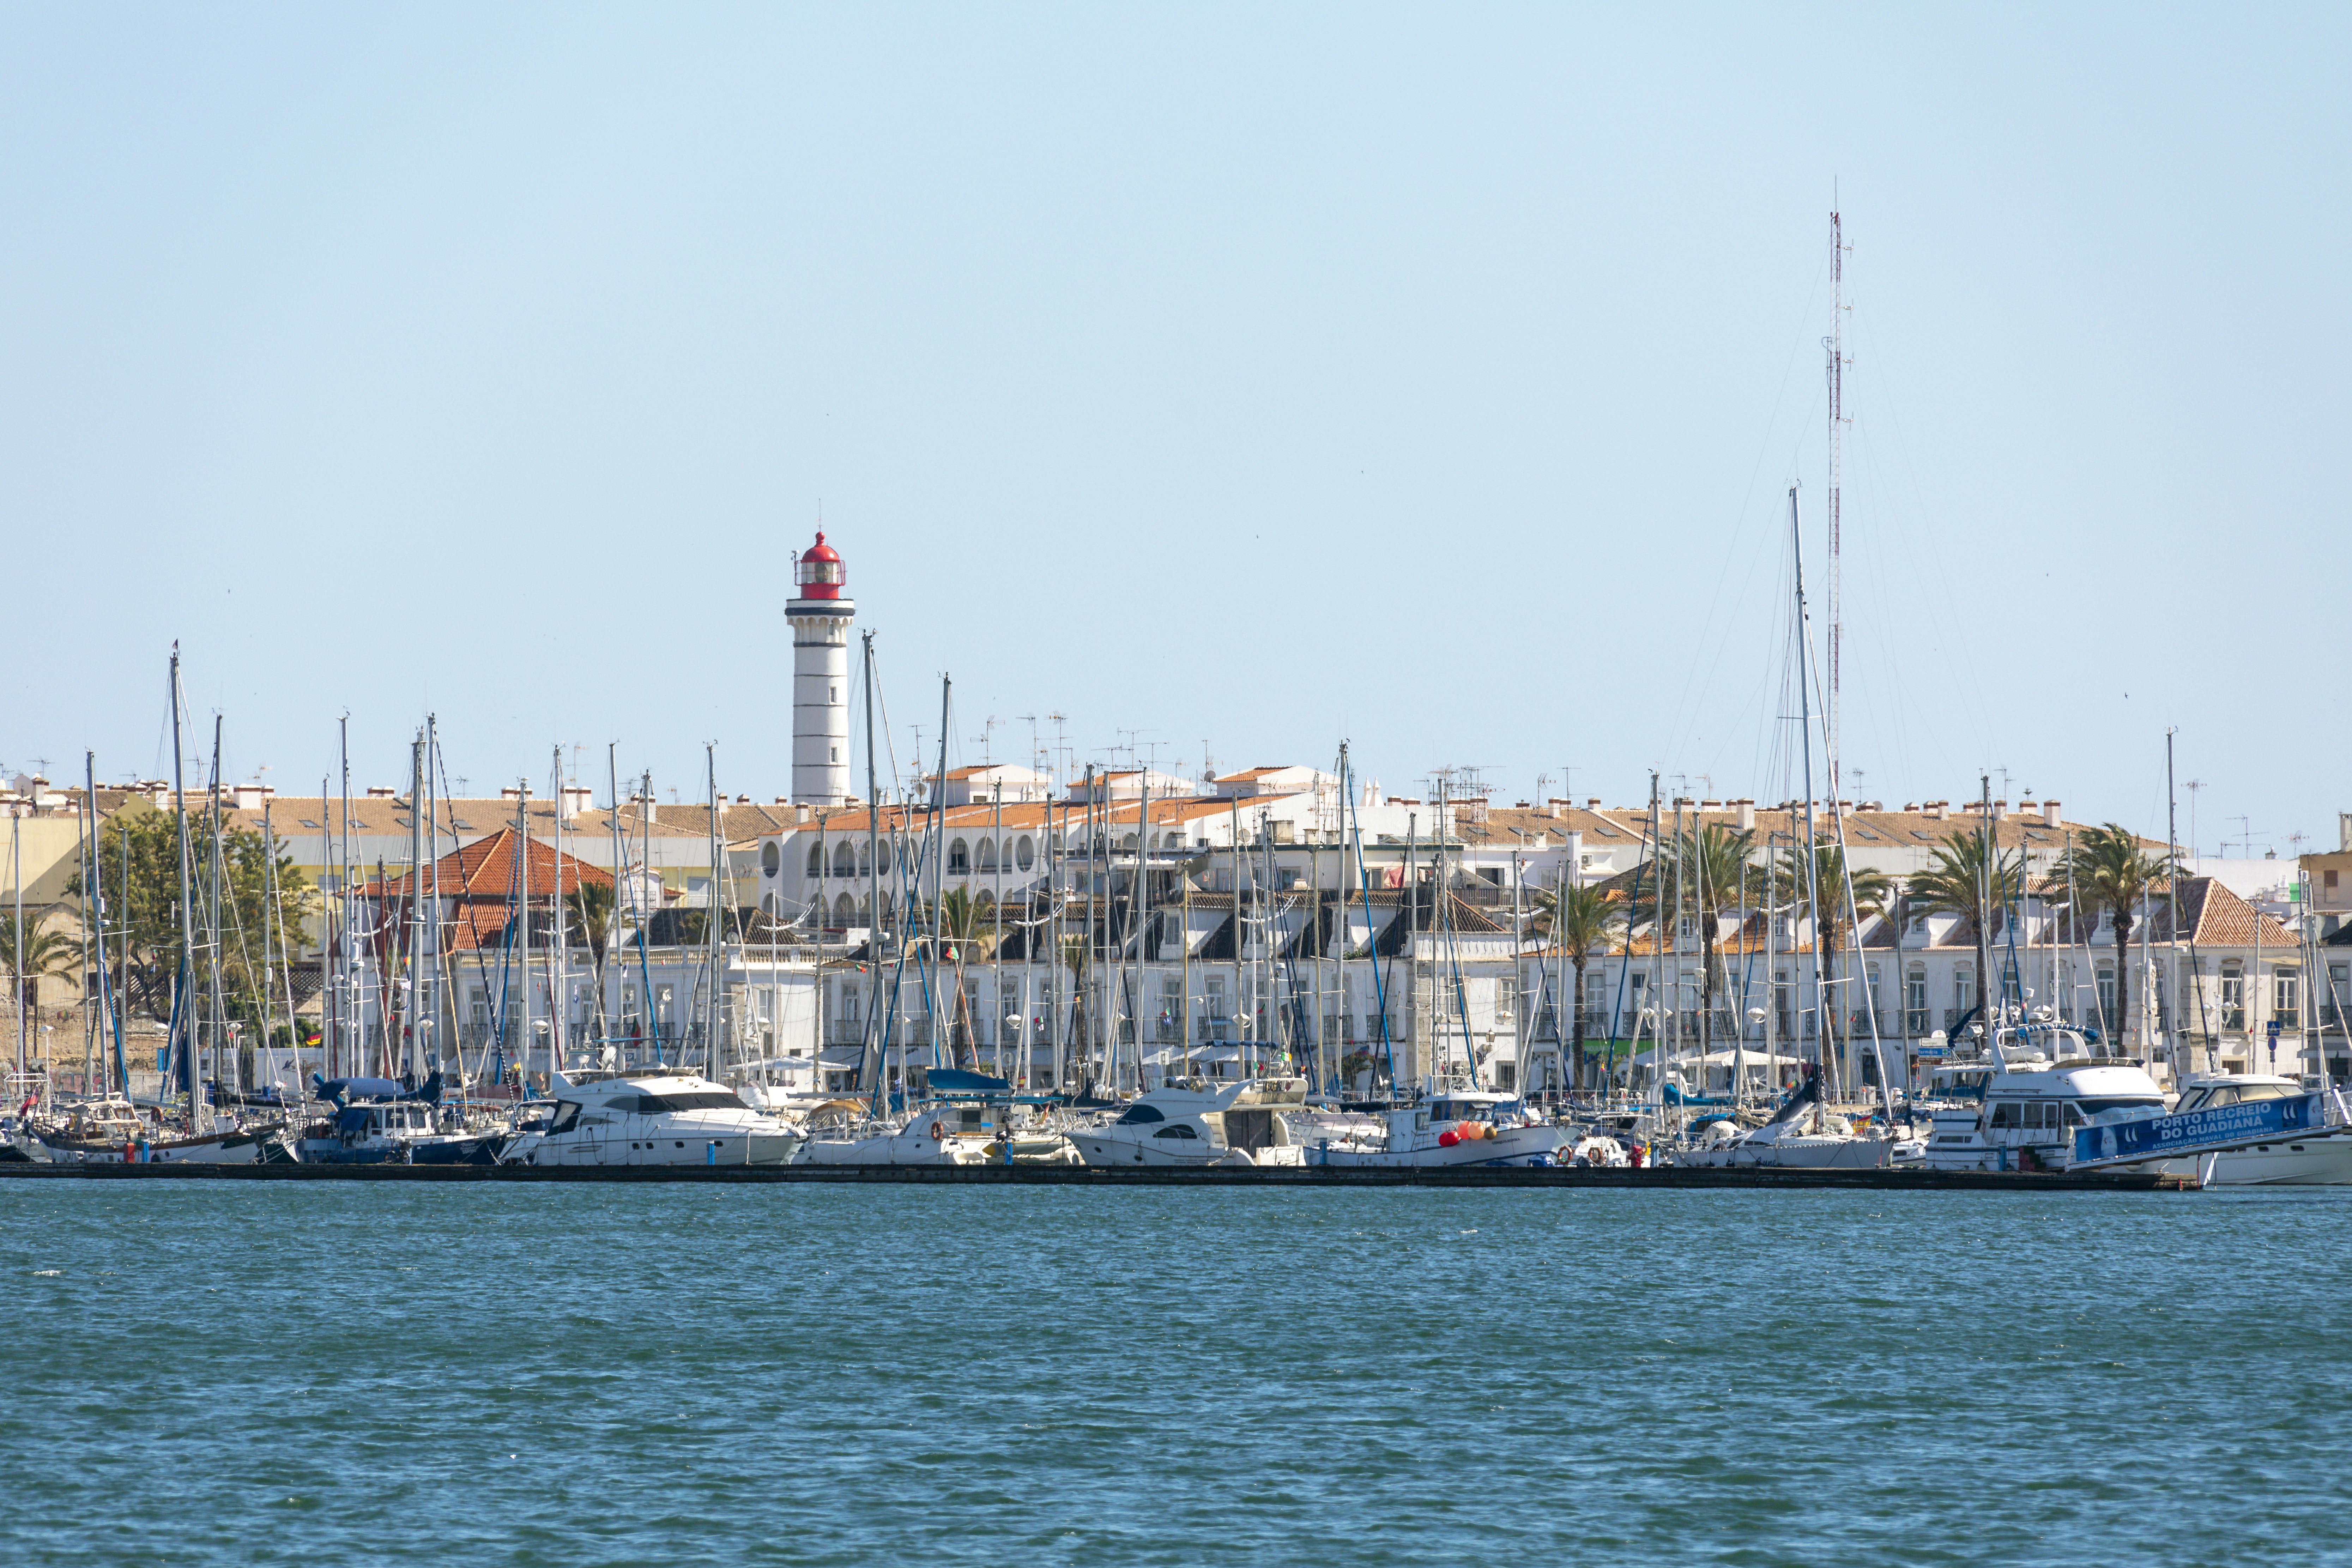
(937, 1133)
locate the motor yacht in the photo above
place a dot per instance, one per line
(2318, 1159)
(2043, 1084)
(1457, 1127)
(1246, 1123)
(654, 1118)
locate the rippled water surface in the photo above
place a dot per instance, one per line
(218, 1373)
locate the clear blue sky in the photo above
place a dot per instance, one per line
(1432, 376)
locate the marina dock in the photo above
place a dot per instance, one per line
(1669, 1177)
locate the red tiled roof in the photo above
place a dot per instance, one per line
(485, 870)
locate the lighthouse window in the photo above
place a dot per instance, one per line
(836, 754)
(833, 694)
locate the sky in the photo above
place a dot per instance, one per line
(1228, 381)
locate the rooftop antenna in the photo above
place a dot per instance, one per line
(1835, 343)
(2193, 785)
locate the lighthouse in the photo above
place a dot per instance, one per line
(820, 620)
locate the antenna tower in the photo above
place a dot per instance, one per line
(1836, 345)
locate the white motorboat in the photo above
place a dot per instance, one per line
(2044, 1084)
(654, 1118)
(1460, 1127)
(1241, 1123)
(929, 1137)
(2322, 1159)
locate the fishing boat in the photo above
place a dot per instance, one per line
(654, 1118)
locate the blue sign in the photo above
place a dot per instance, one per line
(2198, 1133)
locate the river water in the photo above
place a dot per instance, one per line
(220, 1373)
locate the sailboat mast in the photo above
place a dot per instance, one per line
(522, 914)
(712, 943)
(1836, 344)
(873, 897)
(1805, 737)
(199, 1116)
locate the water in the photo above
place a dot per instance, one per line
(236, 1375)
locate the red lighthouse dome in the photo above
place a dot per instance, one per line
(821, 575)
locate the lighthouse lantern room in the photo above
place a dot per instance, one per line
(820, 620)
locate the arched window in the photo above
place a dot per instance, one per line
(768, 904)
(1025, 852)
(770, 857)
(865, 861)
(843, 910)
(985, 905)
(987, 855)
(844, 860)
(816, 860)
(959, 859)
(1128, 843)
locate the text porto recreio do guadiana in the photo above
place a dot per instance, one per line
(2197, 1132)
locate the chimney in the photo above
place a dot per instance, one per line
(1710, 806)
(1746, 816)
(1592, 803)
(251, 797)
(574, 799)
(383, 791)
(1934, 810)
(800, 814)
(511, 792)
(2050, 814)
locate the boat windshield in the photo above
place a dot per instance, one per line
(2244, 1094)
(1138, 1114)
(690, 1100)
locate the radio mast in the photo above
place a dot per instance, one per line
(1835, 343)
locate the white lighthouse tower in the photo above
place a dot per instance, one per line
(820, 619)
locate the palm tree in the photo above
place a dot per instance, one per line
(1075, 959)
(1714, 861)
(2105, 869)
(1845, 896)
(590, 907)
(964, 928)
(1582, 918)
(48, 953)
(1958, 882)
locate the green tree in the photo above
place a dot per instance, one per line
(1582, 919)
(1075, 959)
(48, 953)
(966, 933)
(1961, 880)
(2105, 869)
(589, 909)
(1711, 865)
(1844, 896)
(139, 875)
